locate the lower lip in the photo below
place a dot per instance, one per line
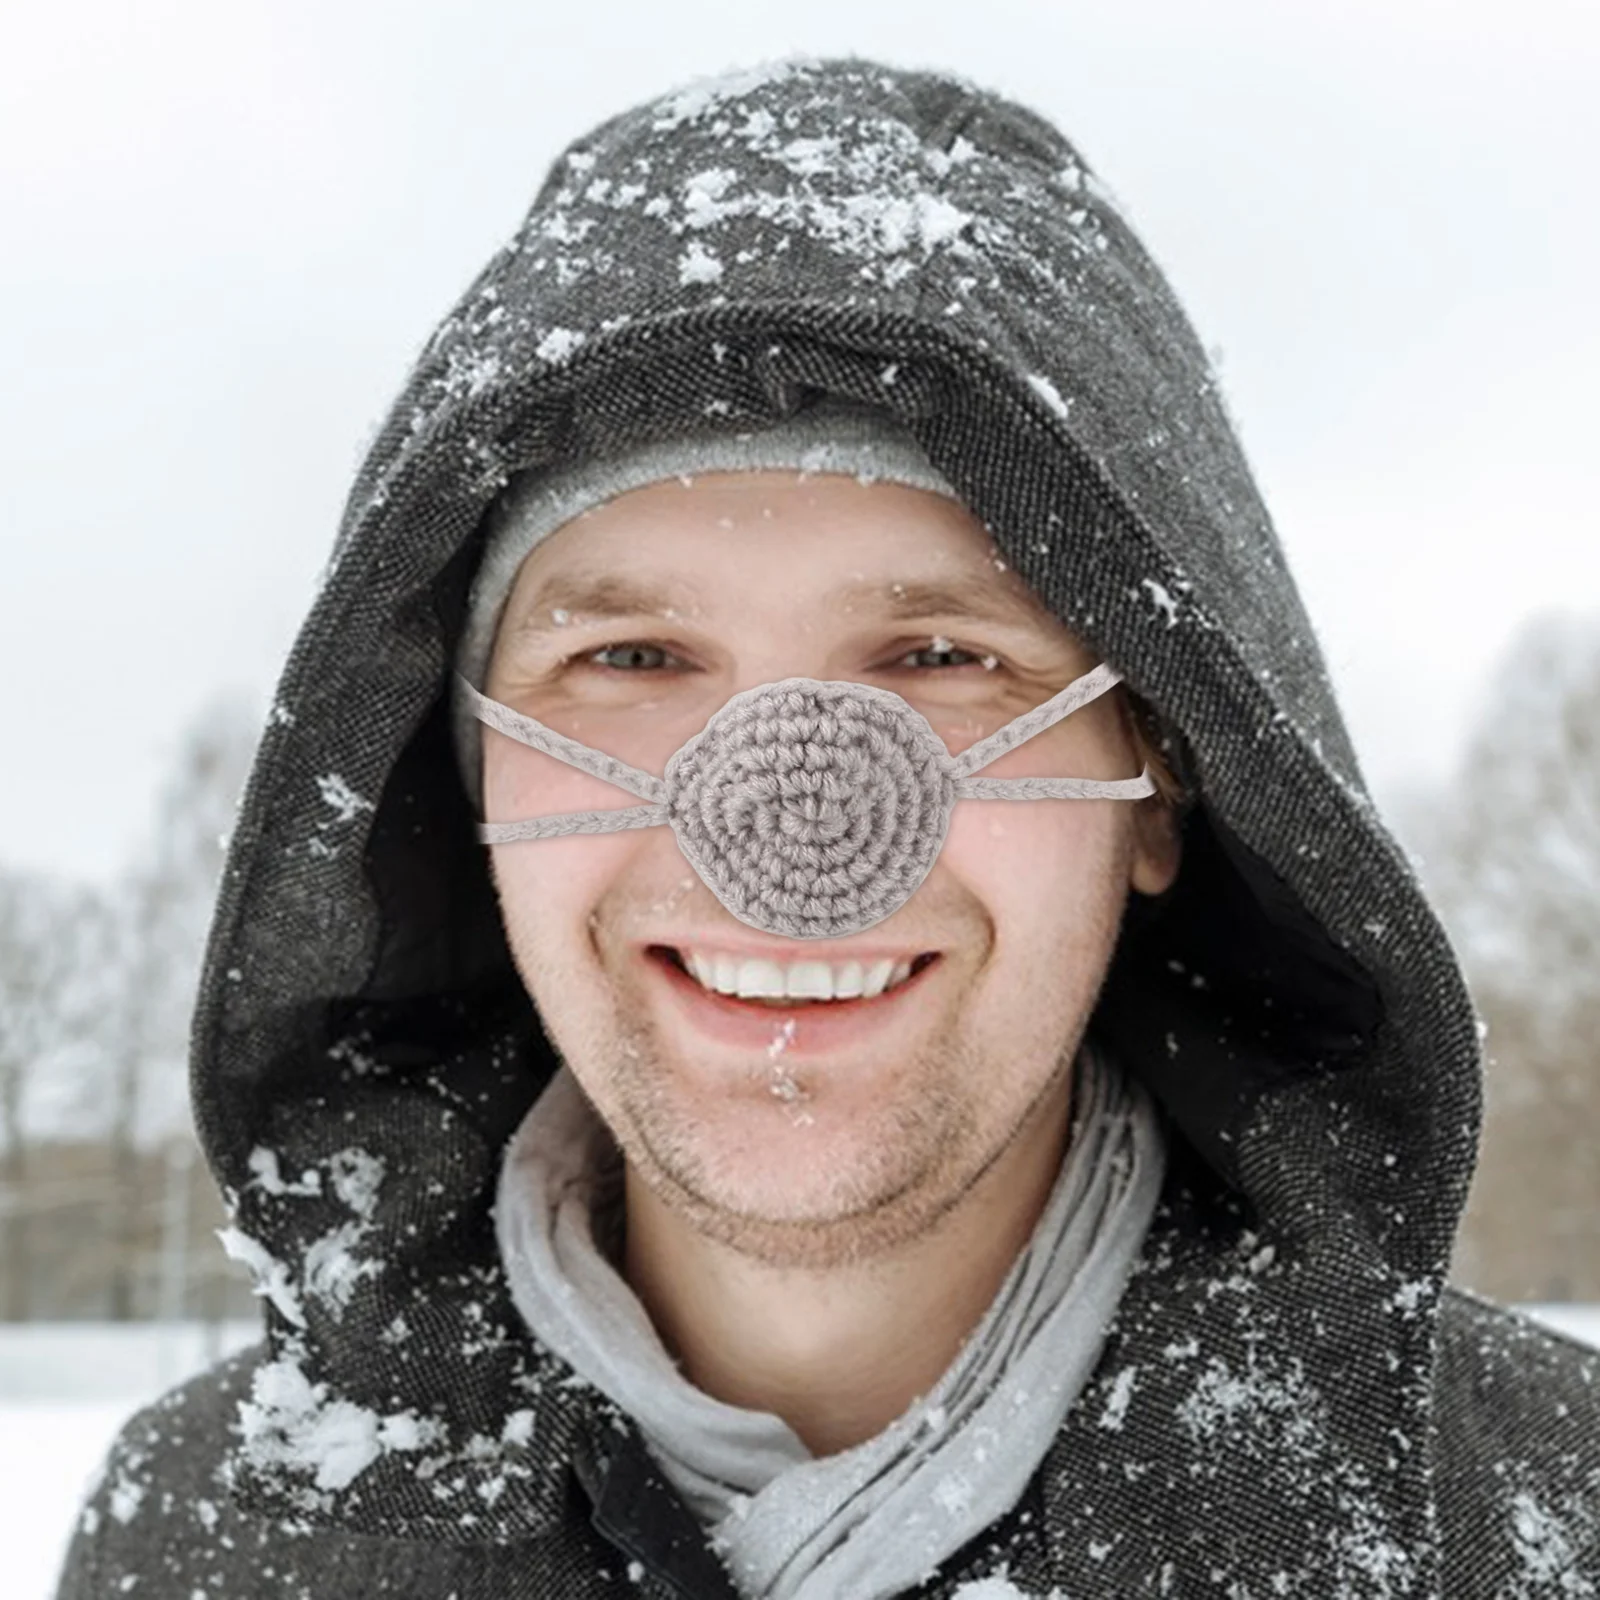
(816, 1028)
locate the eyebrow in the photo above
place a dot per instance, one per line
(600, 597)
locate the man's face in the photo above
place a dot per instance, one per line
(820, 1133)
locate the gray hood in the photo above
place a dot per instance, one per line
(363, 1047)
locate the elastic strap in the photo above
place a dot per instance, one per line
(1056, 788)
(595, 762)
(1079, 692)
(528, 731)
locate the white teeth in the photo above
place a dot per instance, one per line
(755, 978)
(877, 978)
(759, 980)
(847, 980)
(810, 980)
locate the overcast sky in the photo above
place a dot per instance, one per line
(227, 228)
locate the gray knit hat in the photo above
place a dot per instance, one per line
(828, 438)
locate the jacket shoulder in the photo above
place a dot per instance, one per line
(159, 1491)
(1517, 1462)
(160, 1522)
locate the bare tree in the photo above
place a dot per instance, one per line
(102, 1195)
(165, 902)
(1514, 862)
(42, 1015)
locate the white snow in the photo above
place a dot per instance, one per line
(1116, 1410)
(1543, 1541)
(273, 1280)
(698, 265)
(1051, 395)
(702, 193)
(694, 100)
(863, 191)
(1162, 596)
(291, 1422)
(65, 1390)
(330, 1269)
(559, 345)
(337, 793)
(356, 1176)
(268, 1177)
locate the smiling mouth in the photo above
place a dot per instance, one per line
(670, 957)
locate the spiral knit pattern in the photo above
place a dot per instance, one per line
(812, 809)
(809, 808)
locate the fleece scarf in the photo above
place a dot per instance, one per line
(875, 1519)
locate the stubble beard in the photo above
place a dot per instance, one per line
(928, 1155)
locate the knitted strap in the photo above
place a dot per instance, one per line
(1056, 788)
(1079, 692)
(528, 731)
(568, 822)
(595, 762)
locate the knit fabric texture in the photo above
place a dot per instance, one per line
(809, 809)
(1291, 1399)
(861, 442)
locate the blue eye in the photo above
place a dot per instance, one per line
(632, 650)
(941, 650)
(631, 647)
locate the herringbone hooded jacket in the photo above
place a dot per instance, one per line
(1290, 1402)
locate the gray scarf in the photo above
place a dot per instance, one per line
(878, 1518)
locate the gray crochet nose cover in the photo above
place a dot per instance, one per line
(810, 809)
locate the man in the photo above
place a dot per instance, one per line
(808, 1000)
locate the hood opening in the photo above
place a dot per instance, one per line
(364, 1046)
(1225, 986)
(1221, 988)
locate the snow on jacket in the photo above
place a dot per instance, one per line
(1290, 1402)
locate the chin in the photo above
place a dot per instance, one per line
(798, 1181)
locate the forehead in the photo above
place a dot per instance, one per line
(731, 539)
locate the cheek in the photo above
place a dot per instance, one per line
(570, 904)
(1049, 877)
(519, 783)
(1049, 872)
(548, 887)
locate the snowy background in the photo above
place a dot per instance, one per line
(229, 228)
(65, 1390)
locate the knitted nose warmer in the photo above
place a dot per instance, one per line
(810, 809)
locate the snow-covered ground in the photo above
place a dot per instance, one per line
(1580, 1322)
(65, 1389)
